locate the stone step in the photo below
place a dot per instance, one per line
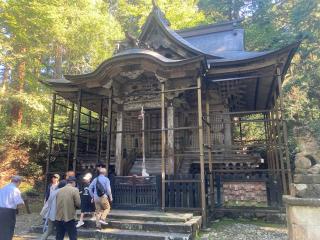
(150, 215)
(37, 236)
(150, 226)
(120, 234)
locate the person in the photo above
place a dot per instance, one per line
(98, 167)
(87, 205)
(10, 200)
(70, 174)
(49, 211)
(52, 186)
(68, 199)
(102, 203)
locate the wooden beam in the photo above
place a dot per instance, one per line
(279, 148)
(53, 111)
(170, 117)
(234, 78)
(274, 139)
(201, 151)
(71, 118)
(212, 201)
(119, 141)
(109, 133)
(285, 133)
(163, 145)
(76, 134)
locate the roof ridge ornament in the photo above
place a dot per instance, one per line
(156, 10)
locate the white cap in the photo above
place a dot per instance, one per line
(87, 176)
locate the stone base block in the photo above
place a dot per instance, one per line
(303, 216)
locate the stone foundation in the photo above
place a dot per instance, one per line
(303, 217)
(244, 193)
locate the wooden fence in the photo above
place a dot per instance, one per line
(135, 192)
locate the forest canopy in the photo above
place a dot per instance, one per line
(43, 39)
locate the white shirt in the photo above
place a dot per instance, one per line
(10, 196)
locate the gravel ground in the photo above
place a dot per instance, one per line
(239, 230)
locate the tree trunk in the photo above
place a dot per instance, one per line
(17, 113)
(58, 62)
(5, 79)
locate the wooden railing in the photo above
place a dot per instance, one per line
(135, 192)
(183, 192)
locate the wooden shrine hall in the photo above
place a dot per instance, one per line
(170, 114)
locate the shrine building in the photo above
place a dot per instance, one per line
(172, 115)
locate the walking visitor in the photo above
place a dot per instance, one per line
(68, 199)
(53, 185)
(49, 211)
(87, 204)
(10, 200)
(100, 191)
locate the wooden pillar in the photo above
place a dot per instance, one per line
(76, 134)
(170, 116)
(240, 130)
(143, 145)
(109, 133)
(119, 141)
(89, 131)
(53, 111)
(71, 116)
(284, 129)
(99, 135)
(274, 144)
(270, 144)
(201, 153)
(279, 148)
(267, 141)
(210, 147)
(163, 145)
(227, 130)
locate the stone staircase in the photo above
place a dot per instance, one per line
(134, 225)
(153, 166)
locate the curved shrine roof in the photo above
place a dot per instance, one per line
(217, 49)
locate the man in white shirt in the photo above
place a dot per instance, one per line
(10, 200)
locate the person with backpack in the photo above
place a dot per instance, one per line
(100, 191)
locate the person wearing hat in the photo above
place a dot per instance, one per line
(10, 200)
(98, 167)
(87, 205)
(68, 200)
(52, 186)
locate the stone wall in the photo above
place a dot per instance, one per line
(245, 193)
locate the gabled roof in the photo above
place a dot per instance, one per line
(156, 19)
